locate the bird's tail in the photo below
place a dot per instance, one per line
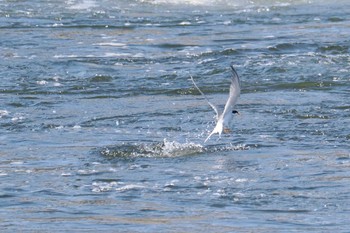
(212, 132)
(218, 129)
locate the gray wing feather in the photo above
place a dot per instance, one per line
(235, 91)
(205, 97)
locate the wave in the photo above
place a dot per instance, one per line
(236, 3)
(87, 5)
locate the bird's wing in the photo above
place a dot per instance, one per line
(235, 91)
(211, 105)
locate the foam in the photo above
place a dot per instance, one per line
(82, 5)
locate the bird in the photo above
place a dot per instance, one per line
(224, 118)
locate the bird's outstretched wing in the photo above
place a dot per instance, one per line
(205, 97)
(235, 91)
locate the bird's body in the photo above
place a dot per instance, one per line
(224, 119)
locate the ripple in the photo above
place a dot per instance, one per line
(101, 78)
(334, 49)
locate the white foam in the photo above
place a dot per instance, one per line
(65, 56)
(247, 5)
(173, 149)
(17, 163)
(182, 2)
(130, 187)
(86, 172)
(66, 174)
(76, 127)
(103, 186)
(117, 54)
(56, 84)
(82, 5)
(42, 82)
(114, 44)
(57, 25)
(17, 118)
(185, 23)
(241, 180)
(172, 183)
(4, 113)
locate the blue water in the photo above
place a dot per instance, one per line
(102, 129)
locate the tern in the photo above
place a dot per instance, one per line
(223, 120)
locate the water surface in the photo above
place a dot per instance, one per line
(101, 127)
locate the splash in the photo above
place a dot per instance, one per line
(227, 147)
(162, 149)
(165, 149)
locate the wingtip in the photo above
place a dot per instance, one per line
(235, 74)
(233, 70)
(194, 83)
(191, 78)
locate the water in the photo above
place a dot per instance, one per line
(101, 127)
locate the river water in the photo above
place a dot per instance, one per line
(102, 129)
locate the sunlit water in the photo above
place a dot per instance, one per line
(102, 129)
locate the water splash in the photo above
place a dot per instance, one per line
(158, 149)
(165, 149)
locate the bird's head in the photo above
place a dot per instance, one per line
(236, 112)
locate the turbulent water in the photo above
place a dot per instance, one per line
(102, 129)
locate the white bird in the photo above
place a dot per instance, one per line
(223, 120)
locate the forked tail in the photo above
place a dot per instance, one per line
(218, 129)
(212, 132)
